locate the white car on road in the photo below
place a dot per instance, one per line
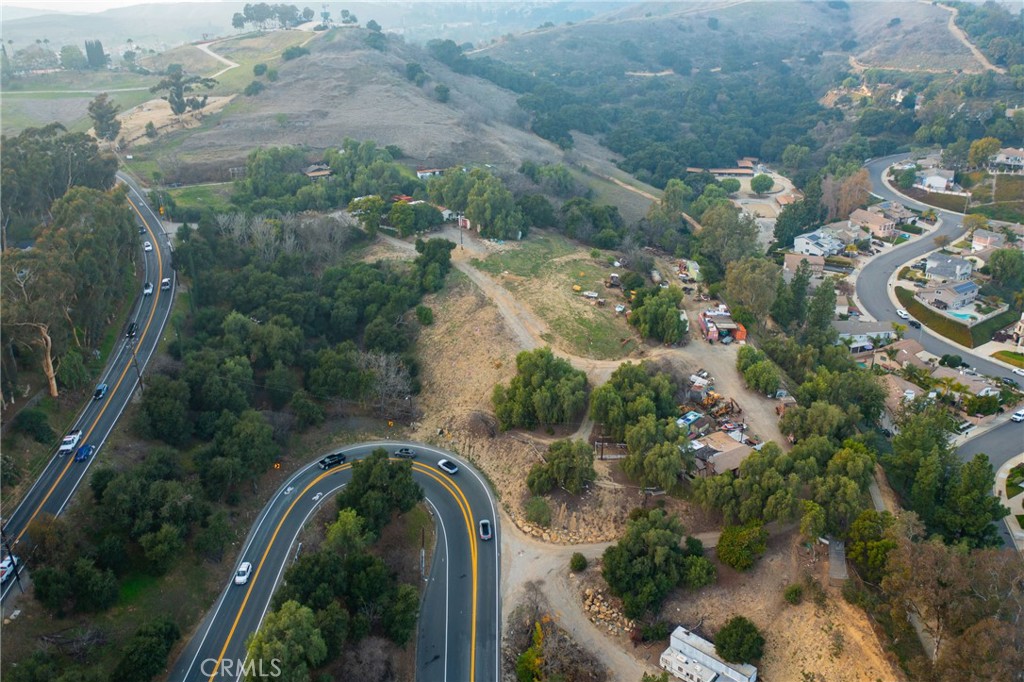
(67, 446)
(1018, 371)
(146, 246)
(902, 314)
(242, 575)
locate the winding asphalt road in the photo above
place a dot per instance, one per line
(62, 475)
(460, 615)
(1002, 442)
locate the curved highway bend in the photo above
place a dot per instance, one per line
(1002, 442)
(62, 475)
(460, 616)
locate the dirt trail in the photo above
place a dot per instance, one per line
(962, 37)
(205, 47)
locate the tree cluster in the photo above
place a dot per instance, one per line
(334, 597)
(656, 314)
(264, 16)
(759, 372)
(569, 465)
(545, 390)
(378, 489)
(651, 560)
(483, 198)
(633, 391)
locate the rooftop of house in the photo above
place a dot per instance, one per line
(792, 261)
(862, 217)
(983, 235)
(682, 636)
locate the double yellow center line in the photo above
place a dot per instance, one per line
(106, 403)
(445, 482)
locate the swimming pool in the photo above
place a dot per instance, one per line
(963, 316)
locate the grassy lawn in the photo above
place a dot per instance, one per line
(1015, 359)
(252, 49)
(528, 258)
(982, 333)
(215, 196)
(1015, 482)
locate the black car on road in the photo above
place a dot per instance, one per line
(408, 453)
(332, 460)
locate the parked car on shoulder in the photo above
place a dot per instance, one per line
(1018, 416)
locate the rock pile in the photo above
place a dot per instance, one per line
(603, 614)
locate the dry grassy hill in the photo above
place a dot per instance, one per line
(345, 89)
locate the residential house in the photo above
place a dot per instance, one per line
(951, 296)
(986, 239)
(424, 173)
(875, 222)
(817, 244)
(936, 180)
(972, 385)
(898, 392)
(816, 263)
(692, 658)
(1008, 159)
(842, 305)
(900, 354)
(317, 171)
(717, 453)
(844, 231)
(896, 211)
(447, 215)
(945, 267)
(862, 335)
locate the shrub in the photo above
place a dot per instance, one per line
(150, 130)
(794, 594)
(569, 465)
(259, 69)
(33, 423)
(654, 631)
(294, 52)
(739, 641)
(425, 315)
(254, 88)
(578, 562)
(740, 546)
(271, 75)
(538, 511)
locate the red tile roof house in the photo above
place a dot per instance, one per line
(880, 226)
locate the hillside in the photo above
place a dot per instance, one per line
(345, 89)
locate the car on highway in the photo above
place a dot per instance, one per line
(407, 453)
(132, 328)
(67, 446)
(1009, 382)
(902, 314)
(84, 452)
(448, 467)
(165, 284)
(147, 246)
(142, 230)
(147, 289)
(100, 391)
(1018, 371)
(1018, 416)
(243, 572)
(7, 567)
(332, 460)
(915, 324)
(485, 529)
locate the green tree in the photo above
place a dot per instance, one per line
(739, 641)
(982, 150)
(34, 423)
(163, 412)
(380, 487)
(730, 185)
(103, 113)
(400, 619)
(656, 314)
(761, 183)
(647, 563)
(869, 542)
(72, 59)
(289, 640)
(1007, 268)
(726, 237)
(545, 390)
(214, 536)
(162, 548)
(442, 92)
(145, 654)
(753, 284)
(180, 88)
(763, 377)
(569, 464)
(740, 546)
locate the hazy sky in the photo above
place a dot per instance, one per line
(81, 6)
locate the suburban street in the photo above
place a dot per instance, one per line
(1000, 443)
(62, 475)
(458, 636)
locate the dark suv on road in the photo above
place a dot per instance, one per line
(332, 460)
(407, 453)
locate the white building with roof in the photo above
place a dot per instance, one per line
(692, 658)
